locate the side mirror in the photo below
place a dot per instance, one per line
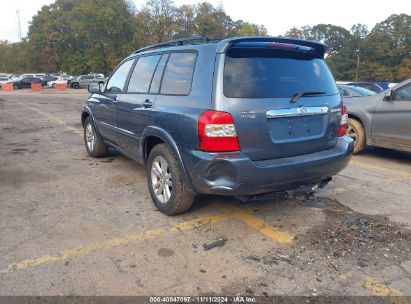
(94, 88)
(388, 96)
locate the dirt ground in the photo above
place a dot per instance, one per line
(73, 225)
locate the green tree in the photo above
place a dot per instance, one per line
(80, 36)
(388, 44)
(403, 70)
(242, 28)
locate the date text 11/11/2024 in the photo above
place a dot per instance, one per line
(203, 299)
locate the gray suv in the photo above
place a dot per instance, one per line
(83, 81)
(239, 117)
(382, 120)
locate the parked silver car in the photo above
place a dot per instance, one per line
(382, 120)
(83, 81)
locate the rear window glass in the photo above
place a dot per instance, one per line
(363, 91)
(178, 74)
(370, 87)
(274, 73)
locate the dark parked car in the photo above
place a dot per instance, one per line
(48, 78)
(26, 82)
(382, 120)
(348, 91)
(375, 86)
(239, 117)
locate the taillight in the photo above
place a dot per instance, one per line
(216, 132)
(344, 121)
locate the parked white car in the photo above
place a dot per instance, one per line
(52, 84)
(37, 75)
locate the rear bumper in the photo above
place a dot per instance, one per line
(233, 173)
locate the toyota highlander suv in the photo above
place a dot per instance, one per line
(240, 117)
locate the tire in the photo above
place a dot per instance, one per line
(53, 85)
(15, 86)
(94, 144)
(75, 85)
(179, 199)
(355, 130)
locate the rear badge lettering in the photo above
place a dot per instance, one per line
(247, 115)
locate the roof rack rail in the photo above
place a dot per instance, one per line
(175, 42)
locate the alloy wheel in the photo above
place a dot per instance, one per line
(351, 132)
(161, 180)
(90, 137)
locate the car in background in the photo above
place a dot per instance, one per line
(59, 80)
(27, 81)
(83, 81)
(48, 78)
(36, 75)
(347, 91)
(375, 86)
(4, 80)
(382, 120)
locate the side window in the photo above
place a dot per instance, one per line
(179, 74)
(403, 93)
(118, 79)
(143, 73)
(155, 83)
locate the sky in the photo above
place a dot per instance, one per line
(276, 16)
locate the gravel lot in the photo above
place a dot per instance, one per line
(73, 225)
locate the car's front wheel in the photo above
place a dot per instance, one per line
(166, 185)
(75, 85)
(94, 144)
(355, 130)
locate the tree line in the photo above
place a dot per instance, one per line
(81, 36)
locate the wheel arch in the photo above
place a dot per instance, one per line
(153, 136)
(361, 121)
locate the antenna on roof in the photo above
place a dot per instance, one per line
(18, 24)
(176, 42)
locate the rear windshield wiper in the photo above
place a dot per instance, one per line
(297, 96)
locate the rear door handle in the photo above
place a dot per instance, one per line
(147, 103)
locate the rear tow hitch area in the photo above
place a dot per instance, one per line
(301, 193)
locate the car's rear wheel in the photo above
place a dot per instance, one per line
(165, 183)
(75, 85)
(94, 144)
(15, 86)
(355, 130)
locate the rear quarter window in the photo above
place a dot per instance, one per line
(274, 74)
(178, 75)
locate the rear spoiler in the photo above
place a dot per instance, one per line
(317, 48)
